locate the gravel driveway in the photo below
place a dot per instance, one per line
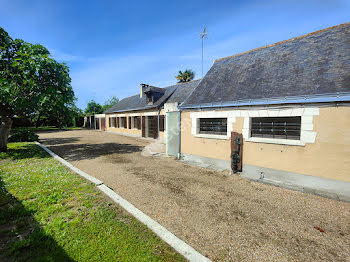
(223, 217)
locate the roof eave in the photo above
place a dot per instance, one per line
(335, 97)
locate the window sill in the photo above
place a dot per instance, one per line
(275, 141)
(224, 137)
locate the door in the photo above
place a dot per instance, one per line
(143, 126)
(236, 152)
(103, 123)
(152, 126)
(97, 124)
(172, 133)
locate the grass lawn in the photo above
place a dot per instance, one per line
(44, 128)
(48, 213)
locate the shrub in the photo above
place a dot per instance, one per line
(23, 136)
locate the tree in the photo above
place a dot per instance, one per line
(31, 83)
(185, 76)
(110, 102)
(93, 108)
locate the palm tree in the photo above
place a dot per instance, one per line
(185, 76)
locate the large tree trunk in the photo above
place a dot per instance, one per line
(5, 129)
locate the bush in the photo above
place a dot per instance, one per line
(23, 136)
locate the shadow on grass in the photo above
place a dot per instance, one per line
(21, 237)
(76, 152)
(22, 151)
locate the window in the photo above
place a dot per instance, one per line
(161, 123)
(135, 122)
(113, 121)
(110, 121)
(149, 99)
(123, 122)
(276, 127)
(214, 126)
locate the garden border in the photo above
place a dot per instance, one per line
(179, 245)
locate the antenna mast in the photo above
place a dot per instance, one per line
(203, 36)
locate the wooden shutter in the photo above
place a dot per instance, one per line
(155, 124)
(138, 122)
(143, 127)
(161, 123)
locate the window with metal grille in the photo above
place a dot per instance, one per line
(123, 122)
(276, 127)
(214, 126)
(114, 122)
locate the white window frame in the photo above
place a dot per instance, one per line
(307, 135)
(211, 114)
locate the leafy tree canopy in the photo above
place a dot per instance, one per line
(186, 76)
(93, 108)
(110, 102)
(31, 83)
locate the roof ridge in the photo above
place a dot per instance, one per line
(281, 42)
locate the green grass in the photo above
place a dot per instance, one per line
(48, 213)
(44, 128)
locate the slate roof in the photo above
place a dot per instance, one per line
(183, 91)
(315, 64)
(133, 103)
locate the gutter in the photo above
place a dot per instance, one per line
(334, 97)
(179, 136)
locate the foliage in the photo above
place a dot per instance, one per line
(186, 76)
(48, 213)
(93, 108)
(110, 102)
(32, 83)
(23, 135)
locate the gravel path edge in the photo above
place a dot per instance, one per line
(179, 245)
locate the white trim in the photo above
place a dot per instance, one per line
(134, 114)
(212, 136)
(230, 115)
(275, 141)
(150, 114)
(307, 135)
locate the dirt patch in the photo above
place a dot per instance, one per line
(223, 217)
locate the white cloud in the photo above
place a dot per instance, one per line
(65, 57)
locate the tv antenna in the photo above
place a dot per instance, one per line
(203, 36)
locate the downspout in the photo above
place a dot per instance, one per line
(158, 122)
(179, 136)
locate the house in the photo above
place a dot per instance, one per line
(143, 114)
(288, 104)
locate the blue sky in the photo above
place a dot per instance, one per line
(113, 46)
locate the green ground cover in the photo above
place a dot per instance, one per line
(44, 128)
(48, 213)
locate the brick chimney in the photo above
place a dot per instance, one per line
(142, 89)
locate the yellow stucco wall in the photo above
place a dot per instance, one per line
(328, 157)
(128, 114)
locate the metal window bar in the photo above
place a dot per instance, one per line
(276, 127)
(216, 126)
